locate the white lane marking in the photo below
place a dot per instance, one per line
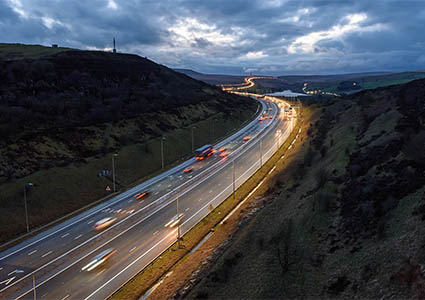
(156, 232)
(44, 295)
(12, 272)
(118, 211)
(32, 252)
(65, 297)
(1, 268)
(131, 211)
(169, 185)
(65, 235)
(129, 201)
(7, 281)
(89, 222)
(44, 255)
(187, 209)
(133, 262)
(156, 193)
(132, 249)
(78, 236)
(189, 189)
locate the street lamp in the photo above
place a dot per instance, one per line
(213, 125)
(178, 225)
(28, 185)
(193, 145)
(261, 152)
(233, 177)
(113, 169)
(162, 151)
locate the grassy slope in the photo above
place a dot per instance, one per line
(63, 162)
(318, 238)
(21, 51)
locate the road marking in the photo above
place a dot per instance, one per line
(132, 249)
(210, 191)
(131, 211)
(65, 235)
(132, 263)
(156, 232)
(89, 222)
(169, 185)
(32, 252)
(187, 209)
(12, 272)
(7, 281)
(65, 297)
(42, 296)
(78, 236)
(156, 193)
(44, 255)
(129, 201)
(118, 211)
(1, 268)
(190, 188)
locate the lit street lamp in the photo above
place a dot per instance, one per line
(113, 169)
(28, 185)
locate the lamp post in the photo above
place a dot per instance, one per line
(28, 185)
(193, 145)
(178, 225)
(113, 169)
(261, 152)
(213, 127)
(233, 177)
(162, 151)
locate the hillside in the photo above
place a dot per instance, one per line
(64, 113)
(346, 217)
(213, 79)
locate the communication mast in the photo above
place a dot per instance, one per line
(115, 50)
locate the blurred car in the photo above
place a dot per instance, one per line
(105, 222)
(224, 154)
(221, 149)
(188, 169)
(260, 119)
(174, 221)
(270, 108)
(246, 138)
(141, 195)
(270, 117)
(99, 259)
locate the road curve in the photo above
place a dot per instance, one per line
(54, 259)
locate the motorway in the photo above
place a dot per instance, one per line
(52, 261)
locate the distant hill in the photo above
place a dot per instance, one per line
(212, 78)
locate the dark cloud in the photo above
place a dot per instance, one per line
(220, 36)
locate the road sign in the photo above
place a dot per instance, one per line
(108, 189)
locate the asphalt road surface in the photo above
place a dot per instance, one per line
(52, 261)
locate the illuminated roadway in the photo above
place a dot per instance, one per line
(54, 258)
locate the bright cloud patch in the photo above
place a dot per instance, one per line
(254, 55)
(352, 22)
(190, 31)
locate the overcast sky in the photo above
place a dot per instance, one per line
(275, 37)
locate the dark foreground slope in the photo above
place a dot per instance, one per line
(347, 217)
(64, 112)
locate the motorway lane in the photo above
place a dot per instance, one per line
(132, 247)
(116, 209)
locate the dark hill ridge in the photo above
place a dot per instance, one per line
(65, 112)
(346, 218)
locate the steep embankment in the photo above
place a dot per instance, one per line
(63, 113)
(346, 219)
